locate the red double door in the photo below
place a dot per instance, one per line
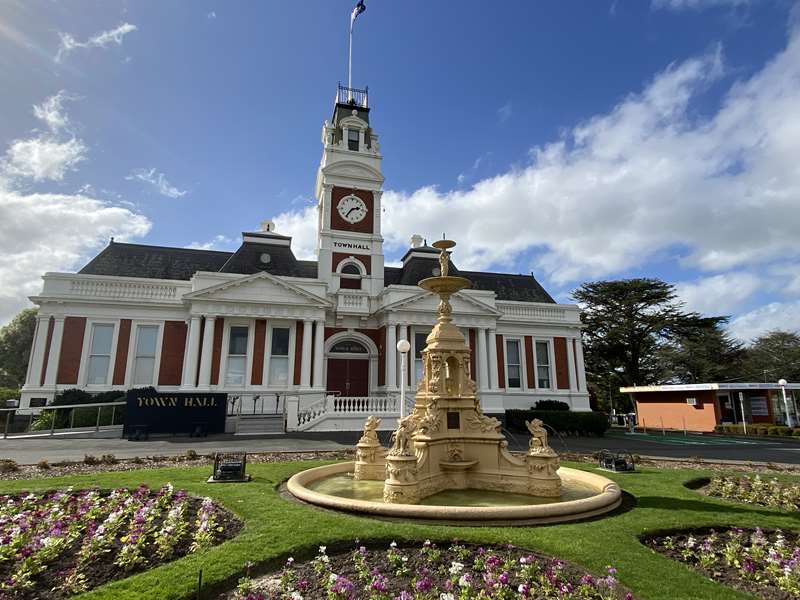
(348, 376)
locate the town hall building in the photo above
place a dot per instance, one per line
(312, 344)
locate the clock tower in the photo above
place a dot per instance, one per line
(349, 182)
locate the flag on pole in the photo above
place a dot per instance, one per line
(357, 10)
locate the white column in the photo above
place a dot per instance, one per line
(191, 354)
(204, 380)
(319, 354)
(403, 336)
(412, 363)
(55, 352)
(493, 376)
(34, 377)
(573, 383)
(305, 361)
(483, 367)
(581, 372)
(391, 357)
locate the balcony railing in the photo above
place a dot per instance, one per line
(346, 95)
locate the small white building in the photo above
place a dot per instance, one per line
(313, 341)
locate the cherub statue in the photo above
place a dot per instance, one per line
(444, 263)
(370, 435)
(401, 437)
(538, 442)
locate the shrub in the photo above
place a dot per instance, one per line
(137, 460)
(551, 405)
(191, 454)
(89, 459)
(565, 422)
(7, 394)
(796, 432)
(8, 466)
(43, 465)
(108, 459)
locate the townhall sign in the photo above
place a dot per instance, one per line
(172, 412)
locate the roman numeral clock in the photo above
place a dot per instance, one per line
(352, 209)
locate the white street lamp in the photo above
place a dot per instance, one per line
(403, 347)
(782, 383)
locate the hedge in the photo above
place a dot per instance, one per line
(565, 422)
(83, 417)
(551, 405)
(759, 429)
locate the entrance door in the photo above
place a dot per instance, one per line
(348, 376)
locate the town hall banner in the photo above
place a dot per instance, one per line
(175, 412)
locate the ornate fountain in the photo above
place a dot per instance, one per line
(447, 442)
(447, 447)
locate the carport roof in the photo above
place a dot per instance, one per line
(700, 387)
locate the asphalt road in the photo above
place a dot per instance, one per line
(31, 450)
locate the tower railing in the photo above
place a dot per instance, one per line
(356, 97)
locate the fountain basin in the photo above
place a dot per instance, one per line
(601, 496)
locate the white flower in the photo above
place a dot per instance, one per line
(322, 549)
(393, 545)
(456, 568)
(333, 577)
(464, 581)
(297, 595)
(404, 559)
(446, 596)
(523, 560)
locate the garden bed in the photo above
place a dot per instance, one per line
(754, 490)
(427, 571)
(58, 544)
(763, 563)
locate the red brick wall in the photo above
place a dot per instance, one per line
(69, 361)
(50, 325)
(337, 222)
(259, 340)
(121, 360)
(671, 407)
(364, 260)
(562, 363)
(216, 350)
(531, 383)
(501, 362)
(298, 351)
(173, 346)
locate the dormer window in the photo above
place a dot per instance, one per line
(350, 277)
(353, 139)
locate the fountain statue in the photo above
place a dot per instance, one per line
(446, 442)
(370, 455)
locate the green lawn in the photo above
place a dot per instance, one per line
(275, 529)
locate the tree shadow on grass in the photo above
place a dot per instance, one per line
(672, 503)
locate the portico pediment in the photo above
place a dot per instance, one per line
(352, 169)
(261, 288)
(427, 302)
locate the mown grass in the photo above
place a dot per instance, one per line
(276, 528)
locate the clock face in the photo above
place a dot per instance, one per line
(352, 209)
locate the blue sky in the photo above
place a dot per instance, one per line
(577, 140)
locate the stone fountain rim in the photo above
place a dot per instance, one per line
(607, 498)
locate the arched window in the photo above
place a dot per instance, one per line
(350, 277)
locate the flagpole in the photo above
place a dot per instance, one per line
(350, 62)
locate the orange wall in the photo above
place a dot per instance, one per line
(652, 407)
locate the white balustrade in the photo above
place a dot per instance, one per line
(537, 312)
(345, 407)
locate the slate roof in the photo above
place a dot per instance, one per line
(161, 262)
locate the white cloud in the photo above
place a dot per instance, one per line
(99, 40)
(302, 226)
(648, 179)
(698, 4)
(212, 15)
(158, 180)
(51, 111)
(719, 294)
(44, 158)
(218, 242)
(504, 112)
(47, 155)
(776, 315)
(42, 232)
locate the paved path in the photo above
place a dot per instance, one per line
(31, 450)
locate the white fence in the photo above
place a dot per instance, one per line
(341, 413)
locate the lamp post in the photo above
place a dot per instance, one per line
(782, 383)
(403, 347)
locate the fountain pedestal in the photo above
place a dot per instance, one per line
(447, 442)
(370, 454)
